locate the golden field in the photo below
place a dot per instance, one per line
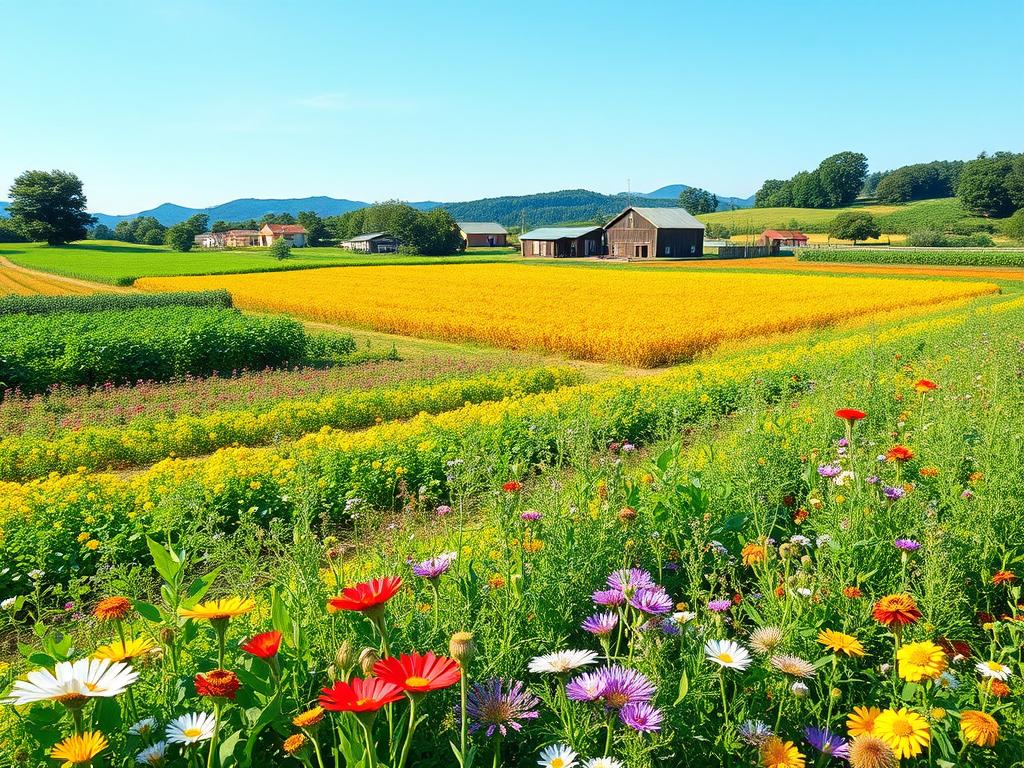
(642, 318)
(24, 283)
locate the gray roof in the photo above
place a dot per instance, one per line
(367, 236)
(666, 218)
(482, 228)
(557, 233)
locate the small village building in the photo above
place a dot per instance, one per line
(784, 238)
(241, 238)
(372, 242)
(482, 234)
(210, 240)
(645, 233)
(563, 242)
(295, 234)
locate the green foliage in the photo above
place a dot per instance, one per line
(833, 184)
(49, 206)
(930, 238)
(774, 193)
(182, 236)
(429, 233)
(696, 200)
(9, 232)
(38, 351)
(280, 249)
(922, 181)
(101, 232)
(854, 225)
(1014, 226)
(316, 231)
(954, 257)
(100, 302)
(993, 185)
(143, 229)
(716, 231)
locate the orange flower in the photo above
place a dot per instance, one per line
(512, 486)
(365, 596)
(852, 592)
(799, 516)
(418, 673)
(1004, 577)
(753, 553)
(998, 688)
(112, 608)
(309, 718)
(220, 683)
(497, 581)
(294, 743)
(928, 471)
(925, 385)
(899, 453)
(264, 646)
(896, 610)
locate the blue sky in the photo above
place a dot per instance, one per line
(201, 102)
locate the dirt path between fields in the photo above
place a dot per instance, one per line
(54, 277)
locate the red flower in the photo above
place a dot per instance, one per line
(365, 595)
(954, 647)
(852, 592)
(998, 688)
(1004, 577)
(925, 385)
(418, 674)
(220, 683)
(360, 695)
(512, 486)
(899, 453)
(264, 646)
(850, 414)
(896, 610)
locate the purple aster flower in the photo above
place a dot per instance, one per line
(828, 743)
(843, 442)
(628, 580)
(893, 492)
(720, 606)
(442, 510)
(628, 447)
(651, 600)
(907, 545)
(641, 716)
(673, 567)
(670, 627)
(829, 470)
(530, 515)
(586, 687)
(872, 479)
(601, 624)
(624, 686)
(608, 597)
(498, 705)
(435, 567)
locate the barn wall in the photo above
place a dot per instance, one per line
(623, 239)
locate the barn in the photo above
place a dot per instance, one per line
(295, 234)
(477, 234)
(372, 242)
(563, 242)
(644, 233)
(786, 238)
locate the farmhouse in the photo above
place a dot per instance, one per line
(210, 240)
(372, 242)
(295, 234)
(482, 233)
(643, 233)
(563, 242)
(241, 238)
(782, 237)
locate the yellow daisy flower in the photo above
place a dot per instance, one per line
(840, 642)
(921, 661)
(79, 749)
(861, 722)
(226, 608)
(123, 650)
(903, 730)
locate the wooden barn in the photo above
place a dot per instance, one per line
(646, 233)
(476, 234)
(562, 242)
(372, 242)
(785, 238)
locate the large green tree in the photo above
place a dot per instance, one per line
(50, 206)
(854, 225)
(842, 177)
(992, 185)
(316, 232)
(182, 236)
(696, 200)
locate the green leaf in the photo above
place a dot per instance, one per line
(198, 588)
(166, 564)
(269, 715)
(911, 691)
(148, 611)
(227, 749)
(280, 617)
(684, 686)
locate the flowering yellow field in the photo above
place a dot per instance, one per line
(23, 283)
(635, 317)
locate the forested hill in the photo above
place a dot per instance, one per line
(548, 208)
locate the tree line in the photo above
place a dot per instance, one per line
(835, 183)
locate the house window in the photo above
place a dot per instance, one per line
(693, 249)
(668, 250)
(536, 247)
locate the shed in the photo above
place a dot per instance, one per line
(241, 238)
(563, 242)
(482, 233)
(643, 233)
(783, 237)
(372, 242)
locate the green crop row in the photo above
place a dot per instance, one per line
(100, 302)
(954, 257)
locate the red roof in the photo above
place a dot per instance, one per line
(286, 229)
(241, 232)
(784, 234)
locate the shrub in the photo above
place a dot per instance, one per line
(854, 225)
(98, 302)
(1014, 226)
(38, 351)
(927, 238)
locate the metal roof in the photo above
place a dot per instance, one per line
(482, 228)
(665, 218)
(367, 236)
(557, 233)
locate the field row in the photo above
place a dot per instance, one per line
(18, 283)
(640, 318)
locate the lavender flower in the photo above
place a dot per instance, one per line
(629, 580)
(828, 743)
(829, 471)
(586, 687)
(608, 597)
(615, 686)
(907, 545)
(720, 606)
(893, 492)
(530, 515)
(754, 733)
(651, 600)
(498, 705)
(443, 510)
(641, 716)
(435, 567)
(872, 479)
(601, 624)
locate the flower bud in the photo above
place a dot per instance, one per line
(167, 635)
(367, 659)
(343, 657)
(462, 648)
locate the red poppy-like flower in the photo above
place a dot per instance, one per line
(512, 486)
(998, 688)
(221, 683)
(925, 385)
(850, 414)
(954, 647)
(359, 695)
(984, 617)
(899, 453)
(799, 516)
(418, 674)
(1004, 577)
(366, 595)
(896, 610)
(112, 608)
(264, 646)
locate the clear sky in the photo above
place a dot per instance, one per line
(198, 102)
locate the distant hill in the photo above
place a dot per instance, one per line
(239, 210)
(671, 192)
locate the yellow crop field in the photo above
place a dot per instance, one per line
(30, 284)
(792, 264)
(636, 317)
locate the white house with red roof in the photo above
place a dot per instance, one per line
(295, 234)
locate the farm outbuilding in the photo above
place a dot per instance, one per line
(241, 238)
(644, 233)
(563, 242)
(482, 234)
(786, 238)
(372, 242)
(295, 234)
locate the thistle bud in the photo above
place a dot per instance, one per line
(462, 648)
(367, 659)
(343, 657)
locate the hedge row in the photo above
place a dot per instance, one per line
(100, 302)
(952, 257)
(75, 349)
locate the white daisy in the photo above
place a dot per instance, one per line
(144, 727)
(993, 670)
(7, 603)
(557, 756)
(154, 755)
(800, 690)
(727, 653)
(85, 678)
(191, 728)
(562, 661)
(602, 762)
(683, 617)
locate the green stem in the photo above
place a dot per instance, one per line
(371, 748)
(609, 721)
(216, 733)
(463, 695)
(408, 736)
(76, 715)
(316, 747)
(497, 752)
(725, 701)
